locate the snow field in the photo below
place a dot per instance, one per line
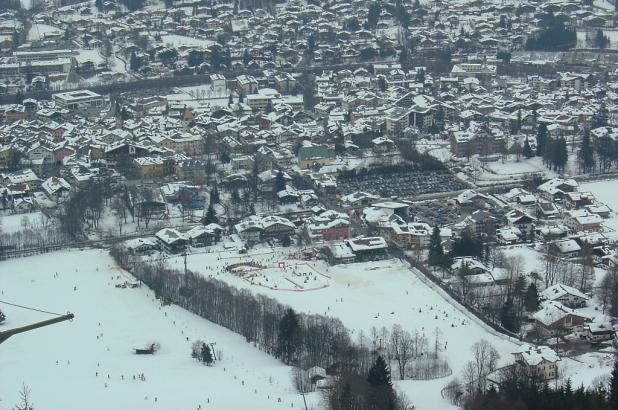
(66, 365)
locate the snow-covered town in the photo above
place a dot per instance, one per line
(357, 205)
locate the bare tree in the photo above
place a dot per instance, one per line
(402, 348)
(120, 212)
(485, 360)
(25, 403)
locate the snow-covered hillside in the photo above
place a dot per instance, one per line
(60, 363)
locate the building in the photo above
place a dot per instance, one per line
(555, 318)
(316, 155)
(368, 248)
(339, 253)
(328, 226)
(566, 295)
(541, 360)
(172, 240)
(81, 100)
(204, 235)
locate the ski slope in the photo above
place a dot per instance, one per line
(60, 362)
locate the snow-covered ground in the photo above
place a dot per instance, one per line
(60, 362)
(179, 40)
(39, 31)
(17, 222)
(606, 192)
(364, 295)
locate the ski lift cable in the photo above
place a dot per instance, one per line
(29, 308)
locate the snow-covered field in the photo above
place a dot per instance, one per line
(606, 192)
(364, 295)
(39, 31)
(18, 222)
(60, 362)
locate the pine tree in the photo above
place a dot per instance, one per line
(288, 336)
(214, 196)
(531, 299)
(381, 395)
(211, 216)
(527, 151)
(560, 155)
(613, 387)
(279, 182)
(436, 251)
(541, 138)
(206, 355)
(2, 316)
(379, 374)
(585, 155)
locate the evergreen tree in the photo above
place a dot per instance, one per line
(527, 151)
(613, 387)
(531, 299)
(379, 374)
(246, 57)
(613, 310)
(134, 62)
(585, 156)
(214, 196)
(508, 316)
(2, 316)
(541, 138)
(560, 155)
(206, 355)
(381, 395)
(211, 216)
(436, 251)
(279, 182)
(230, 100)
(375, 9)
(600, 118)
(288, 336)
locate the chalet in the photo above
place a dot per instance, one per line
(472, 199)
(508, 236)
(557, 188)
(548, 233)
(56, 188)
(249, 230)
(578, 200)
(541, 360)
(599, 329)
(328, 226)
(276, 227)
(204, 235)
(141, 246)
(368, 248)
(566, 248)
(357, 199)
(580, 220)
(568, 296)
(547, 210)
(339, 253)
(520, 220)
(172, 240)
(554, 318)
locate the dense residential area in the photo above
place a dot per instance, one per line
(309, 204)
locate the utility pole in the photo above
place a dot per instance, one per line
(8, 333)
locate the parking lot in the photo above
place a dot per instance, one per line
(404, 185)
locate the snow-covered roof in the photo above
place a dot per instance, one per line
(559, 290)
(366, 244)
(551, 312)
(534, 355)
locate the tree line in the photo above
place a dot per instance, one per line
(295, 338)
